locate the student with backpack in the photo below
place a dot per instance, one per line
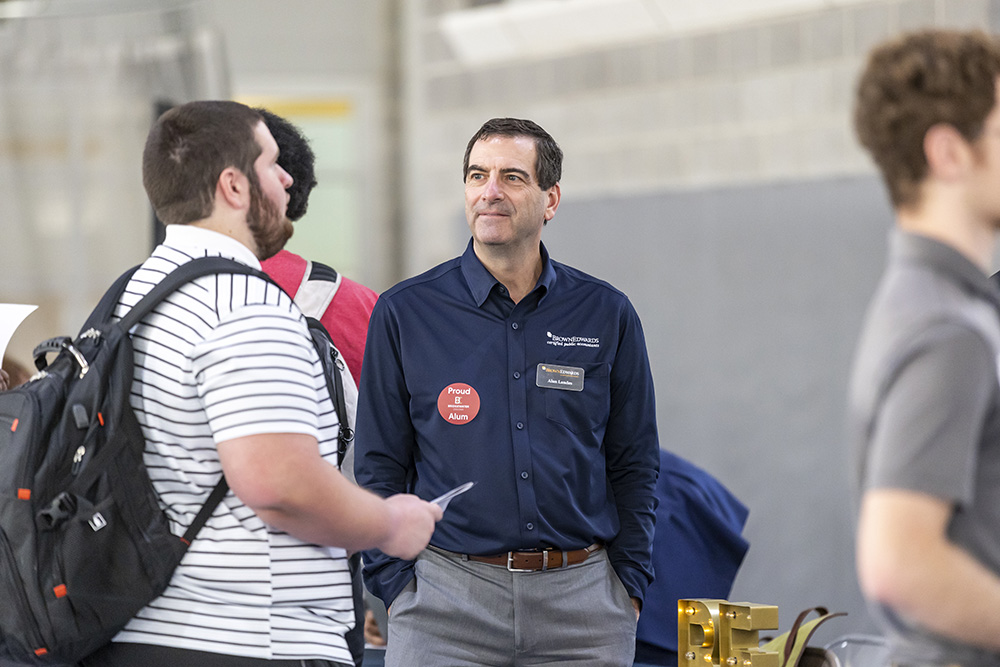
(227, 380)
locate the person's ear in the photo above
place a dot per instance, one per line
(947, 152)
(233, 188)
(553, 196)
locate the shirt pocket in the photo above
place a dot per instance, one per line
(581, 411)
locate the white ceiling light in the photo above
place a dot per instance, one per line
(525, 30)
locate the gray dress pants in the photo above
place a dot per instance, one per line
(457, 612)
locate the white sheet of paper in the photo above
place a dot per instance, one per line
(11, 316)
(443, 500)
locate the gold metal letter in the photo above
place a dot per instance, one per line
(740, 624)
(697, 621)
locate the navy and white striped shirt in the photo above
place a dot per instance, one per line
(228, 356)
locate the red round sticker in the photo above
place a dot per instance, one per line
(458, 403)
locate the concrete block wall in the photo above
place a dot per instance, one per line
(762, 102)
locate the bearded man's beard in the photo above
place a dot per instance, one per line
(270, 229)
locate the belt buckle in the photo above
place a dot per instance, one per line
(510, 564)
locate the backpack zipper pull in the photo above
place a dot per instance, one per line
(78, 458)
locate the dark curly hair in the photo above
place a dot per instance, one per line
(914, 82)
(294, 156)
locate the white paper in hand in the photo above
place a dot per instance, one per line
(443, 500)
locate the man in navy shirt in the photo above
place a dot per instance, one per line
(508, 369)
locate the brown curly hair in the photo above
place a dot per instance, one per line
(914, 82)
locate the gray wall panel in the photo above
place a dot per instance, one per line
(751, 300)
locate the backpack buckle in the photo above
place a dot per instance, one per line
(61, 508)
(97, 522)
(84, 366)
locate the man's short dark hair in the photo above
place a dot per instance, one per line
(294, 156)
(186, 151)
(548, 155)
(914, 82)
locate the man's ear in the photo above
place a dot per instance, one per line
(947, 152)
(552, 197)
(233, 188)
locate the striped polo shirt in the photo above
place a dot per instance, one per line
(228, 356)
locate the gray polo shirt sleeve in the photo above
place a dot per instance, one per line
(927, 434)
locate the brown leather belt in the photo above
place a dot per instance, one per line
(536, 561)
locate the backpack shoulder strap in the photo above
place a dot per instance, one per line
(333, 365)
(319, 285)
(214, 498)
(185, 273)
(105, 308)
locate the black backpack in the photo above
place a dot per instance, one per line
(84, 544)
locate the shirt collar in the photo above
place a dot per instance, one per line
(481, 281)
(196, 240)
(910, 247)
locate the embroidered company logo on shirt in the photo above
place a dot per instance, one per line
(571, 341)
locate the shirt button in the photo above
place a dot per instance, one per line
(513, 325)
(524, 475)
(517, 376)
(529, 526)
(520, 426)
(503, 290)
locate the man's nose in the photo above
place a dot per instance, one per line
(286, 179)
(492, 190)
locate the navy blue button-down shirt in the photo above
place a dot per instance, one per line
(450, 392)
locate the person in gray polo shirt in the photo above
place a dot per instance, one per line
(924, 405)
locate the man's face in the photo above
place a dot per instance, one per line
(503, 204)
(268, 198)
(985, 178)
